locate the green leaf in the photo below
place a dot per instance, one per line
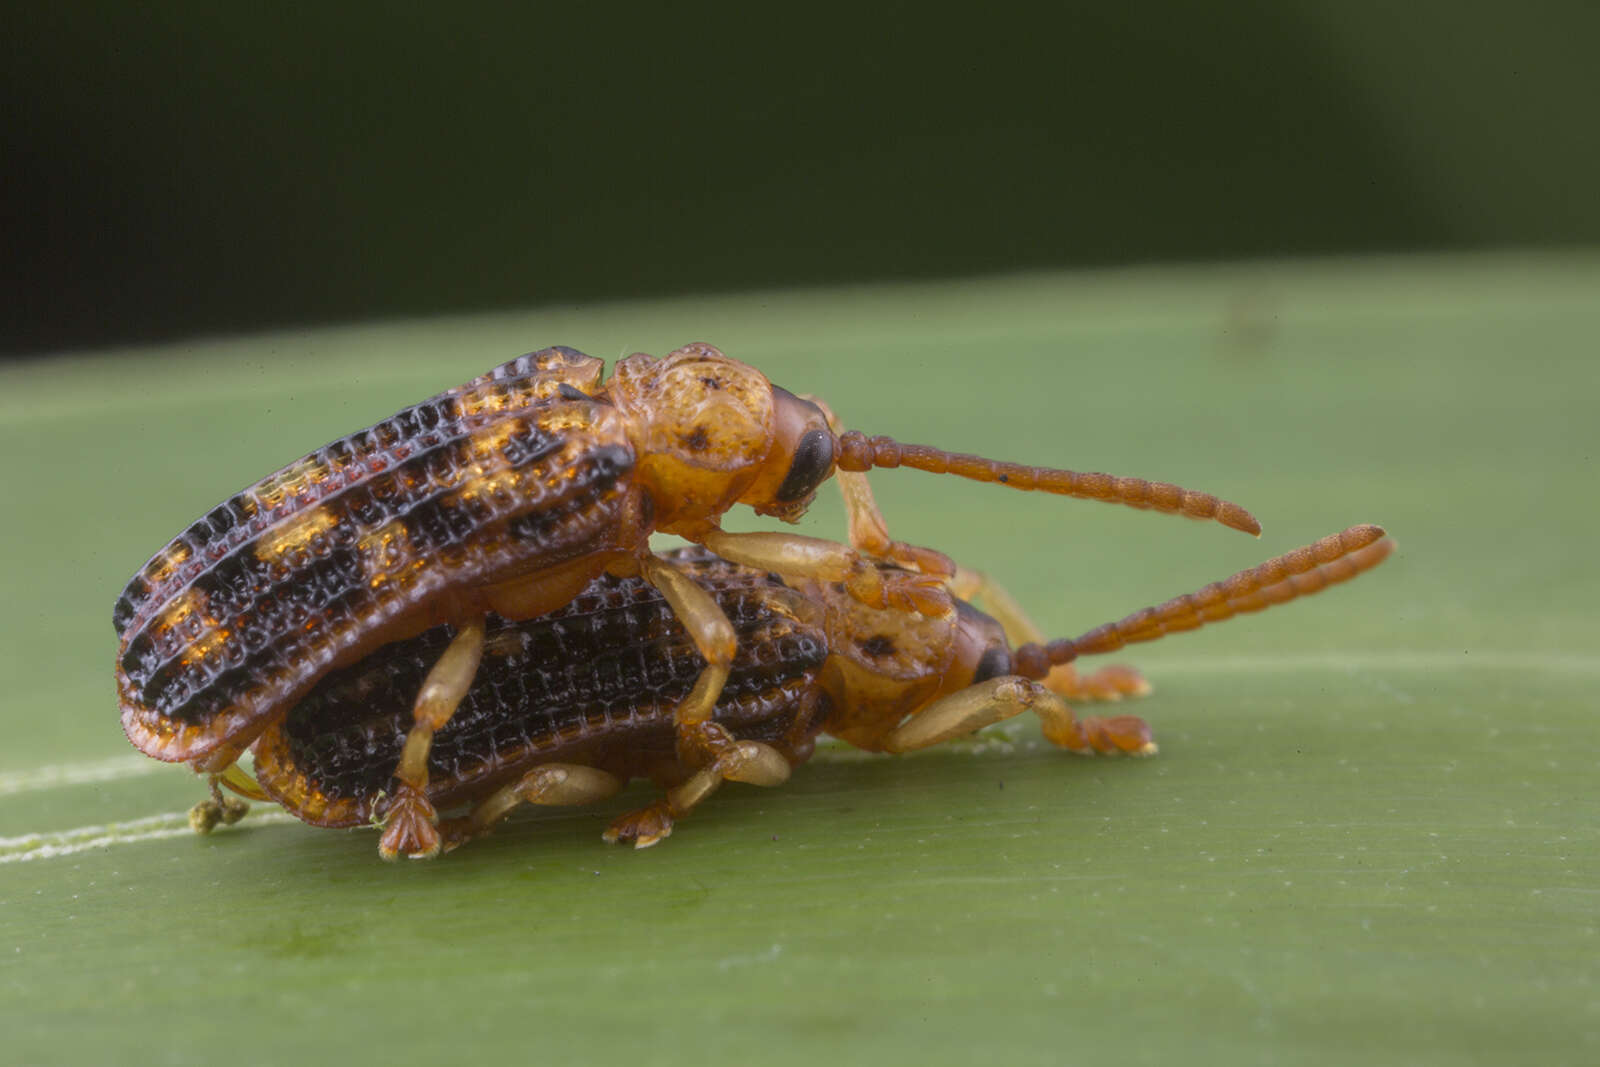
(1371, 831)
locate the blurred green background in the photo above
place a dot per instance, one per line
(194, 167)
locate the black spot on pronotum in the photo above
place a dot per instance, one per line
(878, 646)
(813, 459)
(698, 440)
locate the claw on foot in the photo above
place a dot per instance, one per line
(1125, 679)
(408, 827)
(1126, 735)
(644, 827)
(1106, 684)
(453, 833)
(1118, 735)
(924, 594)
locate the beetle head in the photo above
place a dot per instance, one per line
(711, 431)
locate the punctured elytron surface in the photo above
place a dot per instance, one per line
(594, 682)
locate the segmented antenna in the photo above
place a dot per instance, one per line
(1334, 559)
(858, 452)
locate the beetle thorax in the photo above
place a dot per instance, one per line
(701, 426)
(883, 665)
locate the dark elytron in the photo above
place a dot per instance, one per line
(343, 549)
(595, 682)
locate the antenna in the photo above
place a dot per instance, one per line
(1311, 569)
(858, 452)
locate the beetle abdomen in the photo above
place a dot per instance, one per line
(248, 607)
(594, 682)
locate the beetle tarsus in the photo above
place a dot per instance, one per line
(1117, 735)
(1106, 685)
(408, 827)
(720, 759)
(642, 827)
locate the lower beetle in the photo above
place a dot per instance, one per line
(567, 707)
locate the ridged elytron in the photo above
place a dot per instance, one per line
(566, 707)
(510, 494)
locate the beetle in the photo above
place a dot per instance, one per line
(510, 494)
(567, 707)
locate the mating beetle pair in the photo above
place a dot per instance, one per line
(507, 498)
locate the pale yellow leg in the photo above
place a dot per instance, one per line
(550, 784)
(797, 556)
(869, 534)
(237, 779)
(708, 628)
(998, 699)
(409, 818)
(736, 761)
(1106, 684)
(701, 743)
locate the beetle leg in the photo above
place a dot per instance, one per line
(799, 742)
(708, 628)
(553, 784)
(1106, 684)
(998, 699)
(240, 781)
(408, 825)
(1109, 683)
(797, 556)
(869, 534)
(702, 744)
(737, 761)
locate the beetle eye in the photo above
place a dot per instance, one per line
(995, 662)
(813, 459)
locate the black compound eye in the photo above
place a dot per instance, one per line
(995, 663)
(813, 459)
